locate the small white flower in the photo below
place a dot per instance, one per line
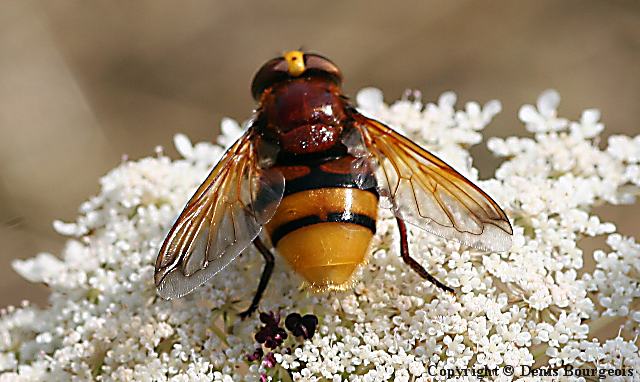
(370, 99)
(625, 148)
(543, 118)
(41, 268)
(231, 131)
(589, 125)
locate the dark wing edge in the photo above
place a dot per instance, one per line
(427, 192)
(221, 219)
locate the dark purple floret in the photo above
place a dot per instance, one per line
(269, 360)
(301, 326)
(271, 334)
(256, 355)
(271, 318)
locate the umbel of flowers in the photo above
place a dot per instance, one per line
(537, 305)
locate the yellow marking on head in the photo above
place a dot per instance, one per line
(295, 59)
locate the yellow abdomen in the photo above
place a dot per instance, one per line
(325, 233)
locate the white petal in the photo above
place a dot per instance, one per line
(230, 127)
(370, 98)
(492, 108)
(548, 102)
(447, 99)
(68, 229)
(590, 116)
(472, 108)
(183, 145)
(39, 268)
(528, 114)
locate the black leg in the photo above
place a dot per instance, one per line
(404, 250)
(264, 279)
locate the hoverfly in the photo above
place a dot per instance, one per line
(310, 170)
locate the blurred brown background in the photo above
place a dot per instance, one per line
(82, 83)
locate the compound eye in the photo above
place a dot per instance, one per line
(272, 71)
(320, 64)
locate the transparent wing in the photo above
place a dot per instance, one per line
(427, 192)
(220, 220)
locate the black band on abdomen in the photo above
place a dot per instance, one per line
(322, 179)
(336, 217)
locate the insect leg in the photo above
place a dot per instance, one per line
(264, 279)
(404, 250)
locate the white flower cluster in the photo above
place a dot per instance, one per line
(536, 305)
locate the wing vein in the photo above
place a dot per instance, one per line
(429, 193)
